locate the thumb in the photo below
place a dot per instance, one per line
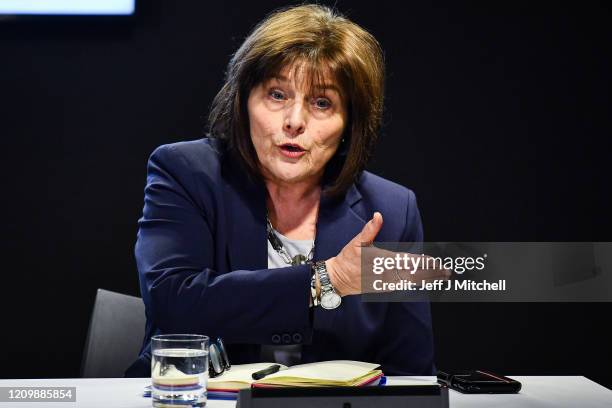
(371, 229)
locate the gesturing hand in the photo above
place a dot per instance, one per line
(345, 268)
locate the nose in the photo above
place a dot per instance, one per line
(295, 119)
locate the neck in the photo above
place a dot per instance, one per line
(293, 207)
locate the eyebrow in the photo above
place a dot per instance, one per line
(324, 87)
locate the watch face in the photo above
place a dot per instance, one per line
(330, 300)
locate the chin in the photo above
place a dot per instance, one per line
(289, 175)
(290, 178)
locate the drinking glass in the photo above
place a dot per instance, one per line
(179, 370)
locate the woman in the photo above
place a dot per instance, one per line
(254, 234)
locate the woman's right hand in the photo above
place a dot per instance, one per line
(345, 268)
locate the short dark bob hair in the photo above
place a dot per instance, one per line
(319, 40)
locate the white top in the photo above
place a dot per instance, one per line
(292, 246)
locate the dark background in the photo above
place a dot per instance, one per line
(497, 117)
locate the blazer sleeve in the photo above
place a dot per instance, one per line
(408, 335)
(175, 252)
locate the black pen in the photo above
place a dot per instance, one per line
(258, 375)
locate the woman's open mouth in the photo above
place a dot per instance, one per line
(291, 150)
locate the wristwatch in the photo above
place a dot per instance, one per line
(329, 298)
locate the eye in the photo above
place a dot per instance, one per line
(322, 103)
(276, 95)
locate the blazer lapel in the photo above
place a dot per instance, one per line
(245, 204)
(338, 223)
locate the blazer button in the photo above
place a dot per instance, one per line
(297, 338)
(276, 338)
(286, 338)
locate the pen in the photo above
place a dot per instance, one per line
(258, 375)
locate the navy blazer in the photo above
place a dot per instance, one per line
(202, 261)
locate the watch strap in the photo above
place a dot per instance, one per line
(321, 269)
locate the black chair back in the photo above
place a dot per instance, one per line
(115, 335)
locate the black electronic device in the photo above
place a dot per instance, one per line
(479, 382)
(393, 396)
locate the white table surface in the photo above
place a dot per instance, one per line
(537, 392)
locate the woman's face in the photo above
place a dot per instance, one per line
(295, 133)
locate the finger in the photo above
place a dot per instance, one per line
(371, 229)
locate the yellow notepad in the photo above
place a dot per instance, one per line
(334, 373)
